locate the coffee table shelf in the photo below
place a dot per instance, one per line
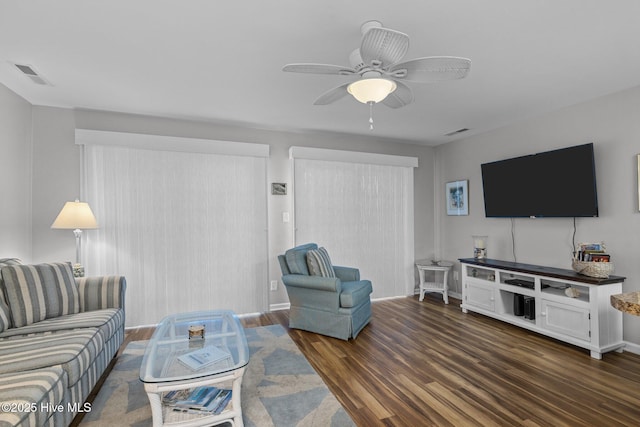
(161, 371)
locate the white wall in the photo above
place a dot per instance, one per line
(15, 176)
(56, 180)
(57, 159)
(612, 124)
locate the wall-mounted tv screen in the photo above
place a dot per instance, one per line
(558, 183)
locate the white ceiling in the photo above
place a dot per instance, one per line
(221, 61)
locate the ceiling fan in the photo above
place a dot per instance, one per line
(380, 73)
(377, 64)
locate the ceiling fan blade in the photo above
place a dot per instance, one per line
(399, 97)
(431, 69)
(332, 95)
(319, 69)
(383, 46)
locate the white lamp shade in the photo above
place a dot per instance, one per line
(75, 215)
(371, 90)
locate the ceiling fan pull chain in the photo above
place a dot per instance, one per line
(370, 115)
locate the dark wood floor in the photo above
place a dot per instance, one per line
(426, 363)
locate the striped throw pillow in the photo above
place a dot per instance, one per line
(39, 292)
(5, 315)
(5, 312)
(319, 263)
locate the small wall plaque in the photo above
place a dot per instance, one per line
(279, 188)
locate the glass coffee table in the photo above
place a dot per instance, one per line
(172, 361)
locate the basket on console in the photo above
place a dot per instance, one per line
(601, 270)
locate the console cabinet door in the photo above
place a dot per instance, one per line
(566, 319)
(480, 295)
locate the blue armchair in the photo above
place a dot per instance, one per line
(339, 306)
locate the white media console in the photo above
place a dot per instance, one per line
(536, 298)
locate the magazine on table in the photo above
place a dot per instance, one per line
(200, 400)
(194, 398)
(219, 402)
(204, 357)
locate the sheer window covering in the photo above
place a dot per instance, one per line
(185, 224)
(360, 207)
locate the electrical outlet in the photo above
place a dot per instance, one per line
(455, 275)
(274, 285)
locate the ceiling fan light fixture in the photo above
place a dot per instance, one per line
(371, 90)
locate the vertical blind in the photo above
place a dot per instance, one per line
(361, 209)
(186, 228)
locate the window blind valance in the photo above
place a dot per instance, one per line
(170, 143)
(310, 153)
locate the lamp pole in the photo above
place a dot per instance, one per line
(78, 233)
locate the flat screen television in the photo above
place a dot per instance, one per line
(558, 183)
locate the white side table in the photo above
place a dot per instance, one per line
(435, 286)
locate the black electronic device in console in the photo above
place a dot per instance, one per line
(518, 305)
(520, 282)
(529, 308)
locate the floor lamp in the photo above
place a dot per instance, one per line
(76, 216)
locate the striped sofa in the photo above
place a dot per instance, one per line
(57, 336)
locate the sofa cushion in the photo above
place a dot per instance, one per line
(297, 258)
(108, 322)
(75, 350)
(40, 388)
(5, 312)
(355, 293)
(38, 292)
(319, 263)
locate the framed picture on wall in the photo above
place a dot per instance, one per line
(458, 197)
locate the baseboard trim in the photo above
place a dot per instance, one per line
(387, 298)
(280, 306)
(631, 347)
(451, 294)
(131, 328)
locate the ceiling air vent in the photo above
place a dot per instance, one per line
(455, 132)
(28, 71)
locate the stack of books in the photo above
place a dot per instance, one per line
(205, 400)
(592, 252)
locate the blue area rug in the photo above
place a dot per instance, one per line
(279, 388)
